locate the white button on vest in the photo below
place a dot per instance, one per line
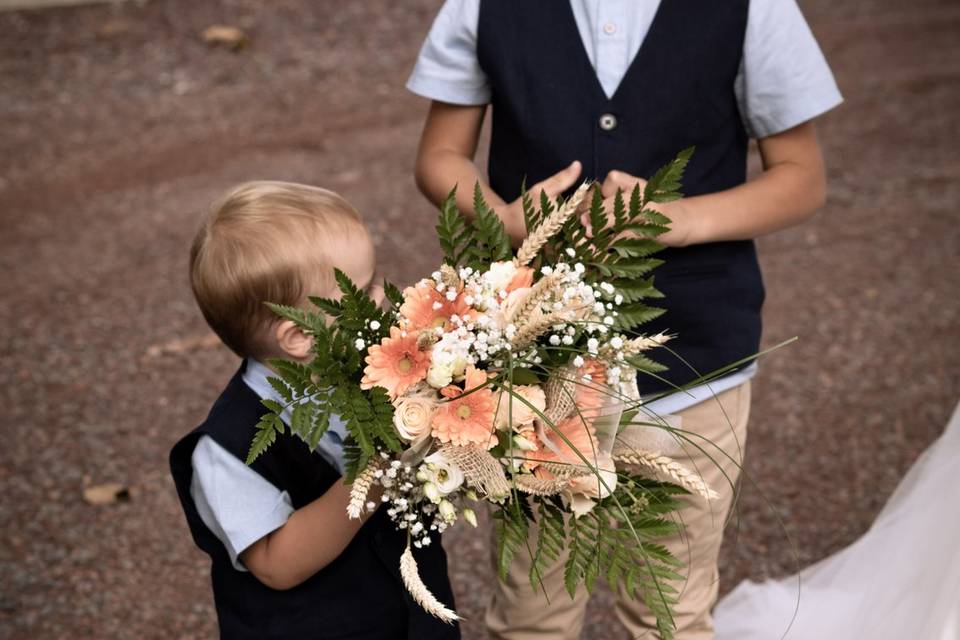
(609, 28)
(608, 122)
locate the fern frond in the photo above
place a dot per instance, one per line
(512, 527)
(452, 230)
(551, 534)
(267, 429)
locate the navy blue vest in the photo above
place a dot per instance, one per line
(357, 596)
(549, 109)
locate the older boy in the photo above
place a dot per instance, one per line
(609, 91)
(286, 560)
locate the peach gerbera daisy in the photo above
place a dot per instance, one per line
(467, 419)
(591, 394)
(521, 280)
(426, 308)
(396, 364)
(581, 439)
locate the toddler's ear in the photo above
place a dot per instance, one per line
(294, 343)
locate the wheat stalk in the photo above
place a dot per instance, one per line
(449, 277)
(633, 347)
(541, 486)
(419, 591)
(545, 287)
(533, 328)
(563, 470)
(670, 468)
(548, 227)
(360, 489)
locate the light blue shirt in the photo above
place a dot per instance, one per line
(783, 80)
(331, 444)
(235, 502)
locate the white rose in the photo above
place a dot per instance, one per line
(522, 413)
(442, 472)
(412, 416)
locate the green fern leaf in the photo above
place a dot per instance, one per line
(272, 405)
(452, 230)
(267, 429)
(393, 294)
(645, 364)
(511, 527)
(330, 307)
(665, 184)
(282, 388)
(355, 460)
(531, 216)
(493, 243)
(299, 316)
(636, 247)
(550, 538)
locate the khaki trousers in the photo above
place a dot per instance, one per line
(517, 612)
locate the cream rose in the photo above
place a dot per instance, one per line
(412, 416)
(523, 414)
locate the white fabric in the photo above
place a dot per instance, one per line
(783, 81)
(612, 32)
(680, 400)
(235, 502)
(899, 581)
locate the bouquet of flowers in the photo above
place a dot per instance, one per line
(510, 379)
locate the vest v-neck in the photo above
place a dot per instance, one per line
(655, 26)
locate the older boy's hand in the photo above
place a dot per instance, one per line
(680, 226)
(512, 213)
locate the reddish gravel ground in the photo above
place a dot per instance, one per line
(117, 126)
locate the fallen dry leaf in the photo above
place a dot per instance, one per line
(113, 28)
(223, 35)
(107, 493)
(207, 340)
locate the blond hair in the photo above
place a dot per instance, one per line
(265, 241)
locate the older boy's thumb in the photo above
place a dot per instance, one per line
(561, 180)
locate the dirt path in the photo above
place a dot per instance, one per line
(118, 124)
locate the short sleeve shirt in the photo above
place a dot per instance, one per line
(783, 81)
(235, 502)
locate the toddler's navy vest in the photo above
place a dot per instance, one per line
(549, 109)
(357, 596)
